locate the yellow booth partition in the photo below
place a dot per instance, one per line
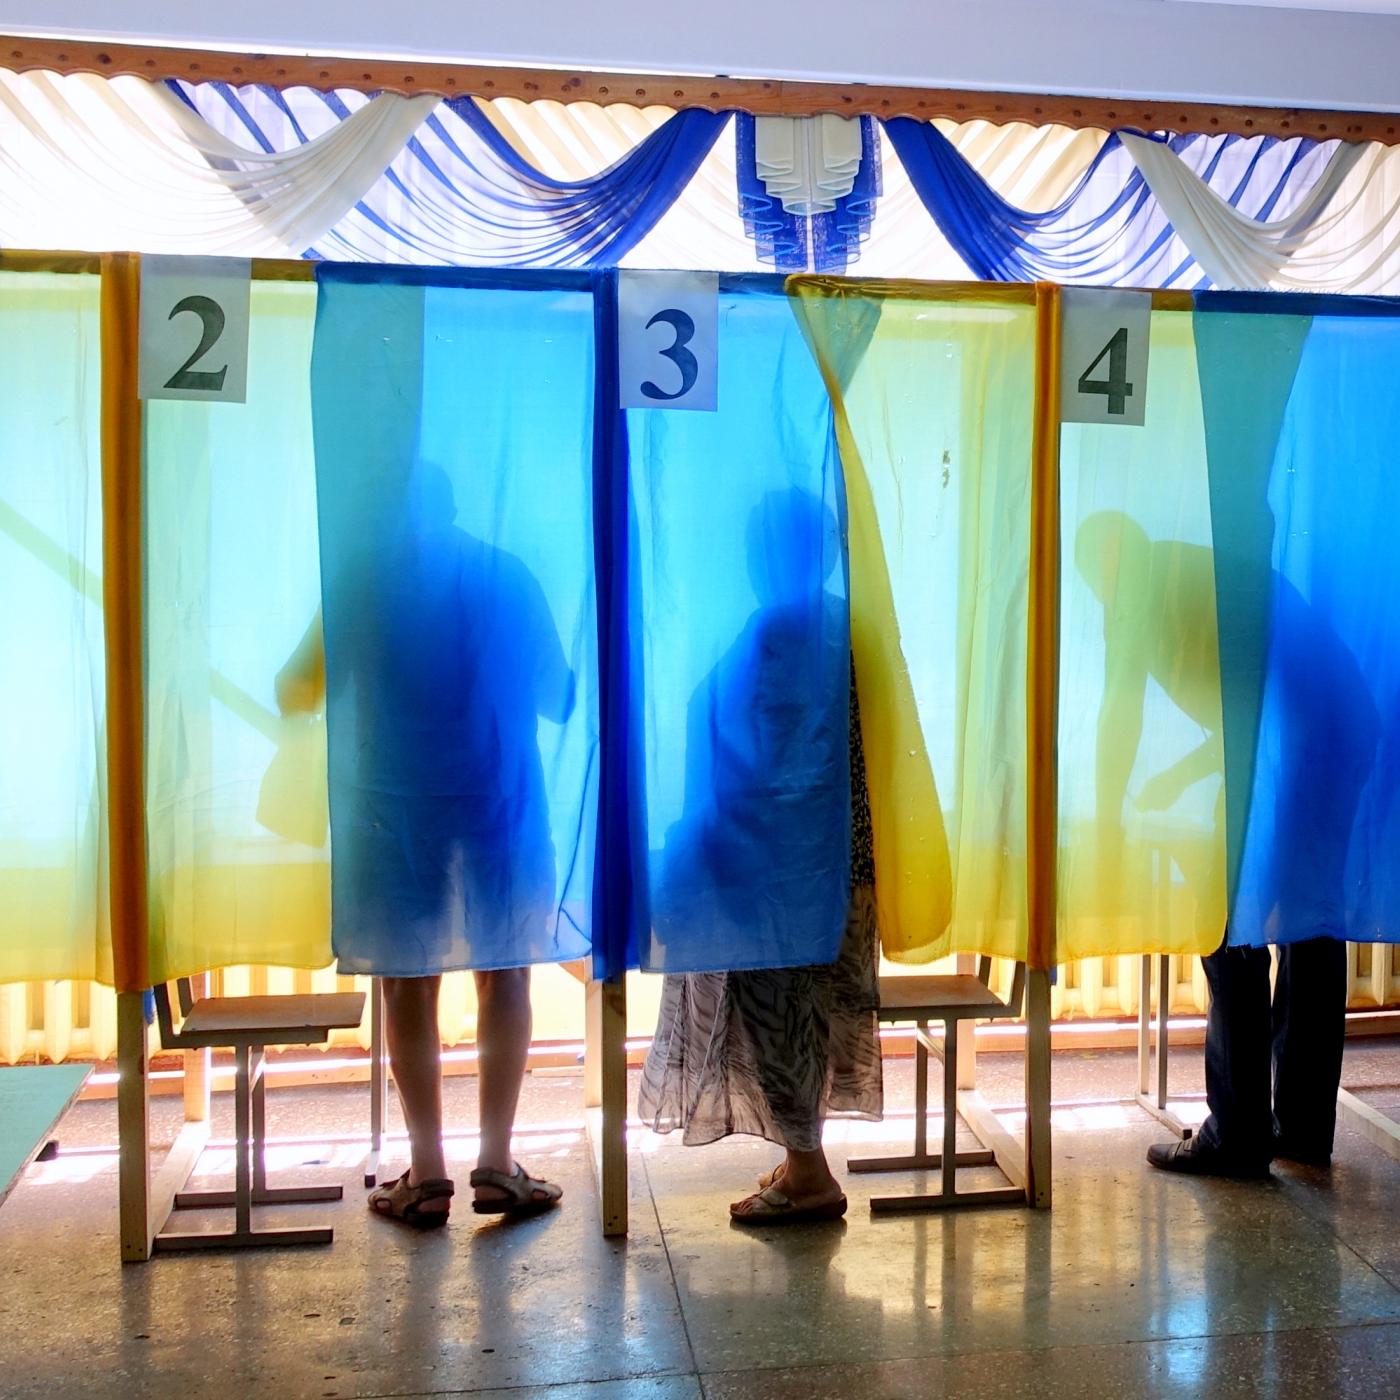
(54, 912)
(235, 793)
(1141, 792)
(934, 389)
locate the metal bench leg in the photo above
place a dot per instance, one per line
(261, 1193)
(950, 1110)
(921, 1095)
(921, 1159)
(949, 1159)
(1156, 1104)
(249, 1176)
(242, 1112)
(378, 1084)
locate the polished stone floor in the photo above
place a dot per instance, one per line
(1135, 1284)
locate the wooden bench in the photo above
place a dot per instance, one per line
(248, 1025)
(32, 1100)
(951, 1000)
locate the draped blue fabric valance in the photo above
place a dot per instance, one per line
(1108, 227)
(456, 190)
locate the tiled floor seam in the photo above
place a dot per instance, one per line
(717, 1372)
(1330, 1227)
(671, 1269)
(532, 1389)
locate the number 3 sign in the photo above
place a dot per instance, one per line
(1103, 368)
(668, 339)
(194, 328)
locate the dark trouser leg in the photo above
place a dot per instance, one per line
(1237, 1055)
(1309, 1019)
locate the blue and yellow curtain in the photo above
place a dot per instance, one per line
(1141, 753)
(54, 916)
(237, 850)
(933, 394)
(653, 617)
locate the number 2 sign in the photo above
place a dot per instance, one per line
(1103, 366)
(194, 328)
(668, 339)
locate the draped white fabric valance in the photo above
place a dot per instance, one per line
(115, 163)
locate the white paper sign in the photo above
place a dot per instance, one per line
(1103, 366)
(668, 339)
(194, 328)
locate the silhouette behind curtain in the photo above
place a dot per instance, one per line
(1142, 839)
(739, 604)
(756, 867)
(1317, 846)
(454, 466)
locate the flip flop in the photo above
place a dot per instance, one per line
(772, 1176)
(771, 1207)
(523, 1192)
(399, 1201)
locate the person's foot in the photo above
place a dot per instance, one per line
(515, 1192)
(1286, 1151)
(772, 1206)
(423, 1204)
(1196, 1158)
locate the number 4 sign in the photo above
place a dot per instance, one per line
(668, 339)
(194, 328)
(1103, 366)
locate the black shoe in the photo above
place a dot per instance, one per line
(1196, 1158)
(1284, 1151)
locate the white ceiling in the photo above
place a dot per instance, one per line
(1378, 7)
(1274, 52)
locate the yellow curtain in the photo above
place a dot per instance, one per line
(1141, 756)
(53, 826)
(933, 389)
(236, 793)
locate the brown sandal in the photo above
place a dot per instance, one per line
(771, 1207)
(524, 1194)
(399, 1201)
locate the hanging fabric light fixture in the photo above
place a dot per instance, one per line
(807, 188)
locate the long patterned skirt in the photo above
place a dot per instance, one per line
(771, 1053)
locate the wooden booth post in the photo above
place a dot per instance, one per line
(1042, 720)
(122, 599)
(605, 1096)
(144, 1202)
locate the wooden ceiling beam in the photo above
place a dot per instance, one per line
(758, 95)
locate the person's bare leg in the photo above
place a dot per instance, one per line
(415, 1056)
(806, 1178)
(503, 1048)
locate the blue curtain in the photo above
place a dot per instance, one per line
(741, 670)
(588, 672)
(453, 422)
(461, 194)
(1107, 228)
(1300, 411)
(802, 242)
